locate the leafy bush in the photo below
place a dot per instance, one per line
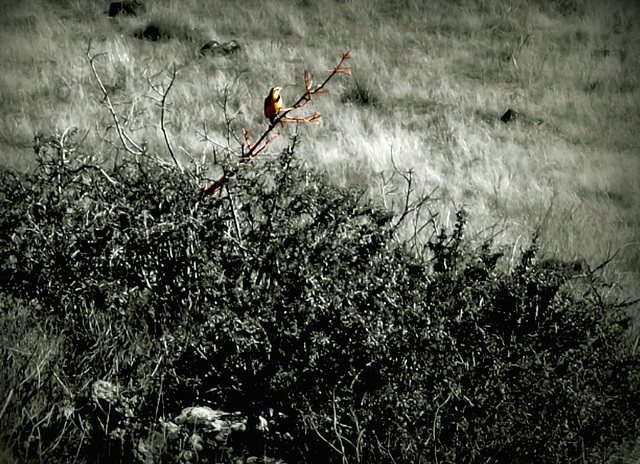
(129, 296)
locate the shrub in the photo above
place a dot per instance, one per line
(129, 296)
(360, 93)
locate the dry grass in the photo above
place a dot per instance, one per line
(429, 85)
(430, 82)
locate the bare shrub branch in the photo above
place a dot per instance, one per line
(137, 150)
(162, 101)
(127, 142)
(257, 147)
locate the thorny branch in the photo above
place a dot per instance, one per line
(257, 147)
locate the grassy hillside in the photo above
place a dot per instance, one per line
(436, 77)
(429, 83)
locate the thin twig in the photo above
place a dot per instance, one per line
(124, 138)
(228, 119)
(263, 141)
(97, 168)
(163, 109)
(162, 113)
(335, 428)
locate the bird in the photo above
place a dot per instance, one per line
(272, 104)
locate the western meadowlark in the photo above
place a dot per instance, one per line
(272, 104)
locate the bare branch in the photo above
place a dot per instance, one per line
(124, 138)
(263, 141)
(162, 115)
(206, 138)
(224, 104)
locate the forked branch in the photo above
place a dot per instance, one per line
(162, 101)
(257, 147)
(128, 144)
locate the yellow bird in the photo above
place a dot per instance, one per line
(272, 104)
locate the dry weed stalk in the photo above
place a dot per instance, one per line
(257, 147)
(338, 436)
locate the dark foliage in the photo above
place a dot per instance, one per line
(164, 29)
(360, 93)
(308, 314)
(125, 8)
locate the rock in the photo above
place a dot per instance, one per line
(165, 29)
(152, 32)
(212, 420)
(199, 415)
(108, 396)
(216, 425)
(230, 47)
(508, 116)
(209, 47)
(196, 430)
(101, 390)
(214, 48)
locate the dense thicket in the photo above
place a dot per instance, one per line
(295, 305)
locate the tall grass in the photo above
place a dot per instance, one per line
(430, 82)
(440, 75)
